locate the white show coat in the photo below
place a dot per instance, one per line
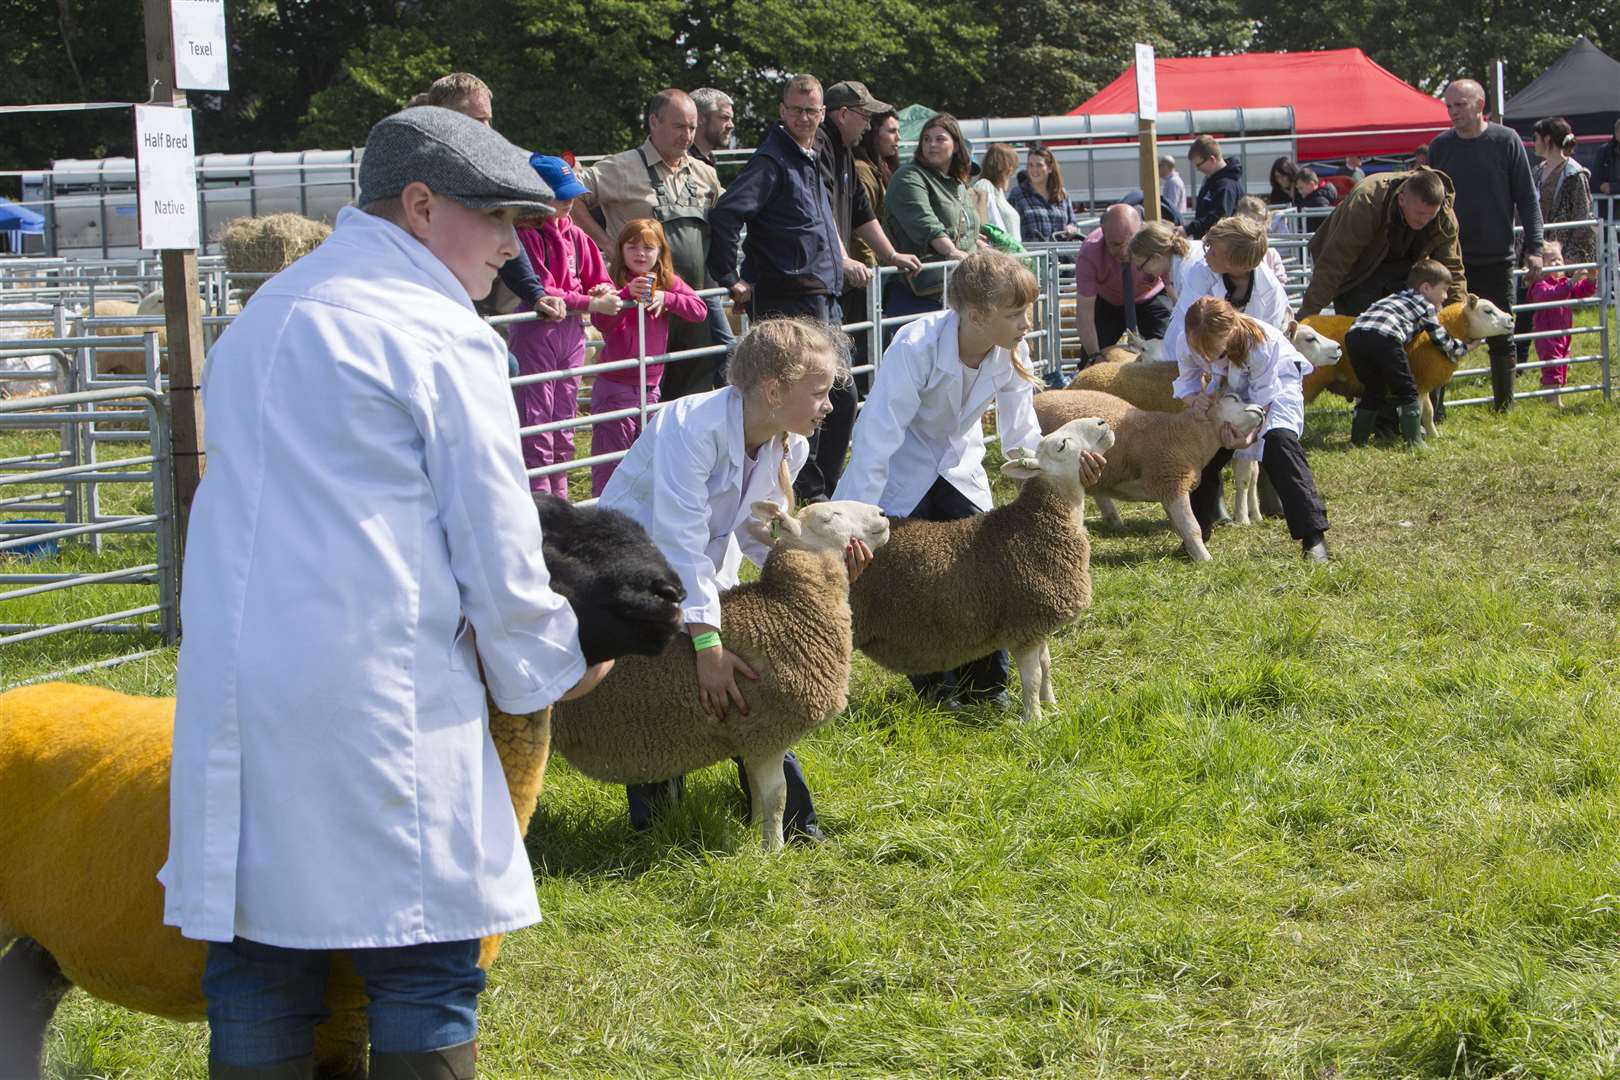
(1181, 265)
(1268, 302)
(915, 426)
(1271, 376)
(335, 784)
(683, 482)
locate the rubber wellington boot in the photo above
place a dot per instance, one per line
(451, 1063)
(1412, 425)
(1362, 423)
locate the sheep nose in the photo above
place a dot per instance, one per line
(671, 591)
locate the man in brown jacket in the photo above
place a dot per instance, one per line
(1364, 249)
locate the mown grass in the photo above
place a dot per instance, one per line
(1351, 821)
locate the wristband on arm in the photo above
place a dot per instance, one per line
(710, 640)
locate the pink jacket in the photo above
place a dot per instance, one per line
(619, 331)
(1556, 287)
(566, 260)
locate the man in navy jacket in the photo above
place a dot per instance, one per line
(792, 260)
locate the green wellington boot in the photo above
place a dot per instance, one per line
(1362, 423)
(1412, 425)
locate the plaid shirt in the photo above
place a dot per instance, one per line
(1041, 219)
(1405, 315)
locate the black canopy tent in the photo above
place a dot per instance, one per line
(1582, 86)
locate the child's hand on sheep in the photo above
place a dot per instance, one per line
(717, 670)
(589, 681)
(1091, 468)
(857, 557)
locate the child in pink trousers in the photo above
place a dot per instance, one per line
(646, 278)
(570, 267)
(1554, 285)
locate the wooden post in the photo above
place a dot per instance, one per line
(184, 309)
(1148, 140)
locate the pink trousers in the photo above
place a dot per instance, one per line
(542, 346)
(611, 395)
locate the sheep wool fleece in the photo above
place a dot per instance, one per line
(792, 626)
(84, 797)
(1002, 580)
(335, 781)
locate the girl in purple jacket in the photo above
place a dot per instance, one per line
(651, 292)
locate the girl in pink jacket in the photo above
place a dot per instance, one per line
(1554, 285)
(576, 282)
(651, 293)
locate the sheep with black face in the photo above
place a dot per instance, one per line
(84, 813)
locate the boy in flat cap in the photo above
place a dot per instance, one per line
(365, 518)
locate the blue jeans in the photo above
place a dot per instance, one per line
(264, 1001)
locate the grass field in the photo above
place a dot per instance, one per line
(1350, 821)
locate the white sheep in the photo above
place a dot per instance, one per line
(1157, 457)
(792, 627)
(943, 593)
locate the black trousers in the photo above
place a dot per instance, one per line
(1494, 281)
(977, 679)
(693, 376)
(1152, 319)
(647, 800)
(1380, 362)
(1285, 466)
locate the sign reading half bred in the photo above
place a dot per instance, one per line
(166, 177)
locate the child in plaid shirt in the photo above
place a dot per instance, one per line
(1376, 349)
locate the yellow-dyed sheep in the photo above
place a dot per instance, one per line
(84, 828)
(1431, 367)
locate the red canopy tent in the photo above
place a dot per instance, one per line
(1338, 90)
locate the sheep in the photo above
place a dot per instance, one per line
(792, 627)
(943, 593)
(1148, 383)
(118, 361)
(1473, 319)
(84, 815)
(1157, 457)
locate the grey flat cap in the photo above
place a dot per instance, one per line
(455, 156)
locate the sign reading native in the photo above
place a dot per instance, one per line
(199, 45)
(166, 177)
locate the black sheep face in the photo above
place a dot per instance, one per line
(623, 592)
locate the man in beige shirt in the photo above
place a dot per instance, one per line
(660, 179)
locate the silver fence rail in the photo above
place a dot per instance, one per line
(60, 494)
(49, 490)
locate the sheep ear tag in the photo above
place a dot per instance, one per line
(1019, 470)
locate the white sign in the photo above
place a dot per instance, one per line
(166, 175)
(199, 45)
(1147, 86)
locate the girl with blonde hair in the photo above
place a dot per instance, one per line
(919, 442)
(1233, 353)
(691, 479)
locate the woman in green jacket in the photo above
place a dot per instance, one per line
(928, 212)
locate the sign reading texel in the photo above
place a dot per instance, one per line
(199, 45)
(166, 175)
(1147, 87)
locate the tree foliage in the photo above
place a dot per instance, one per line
(575, 74)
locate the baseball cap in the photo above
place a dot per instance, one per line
(854, 95)
(559, 176)
(455, 156)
